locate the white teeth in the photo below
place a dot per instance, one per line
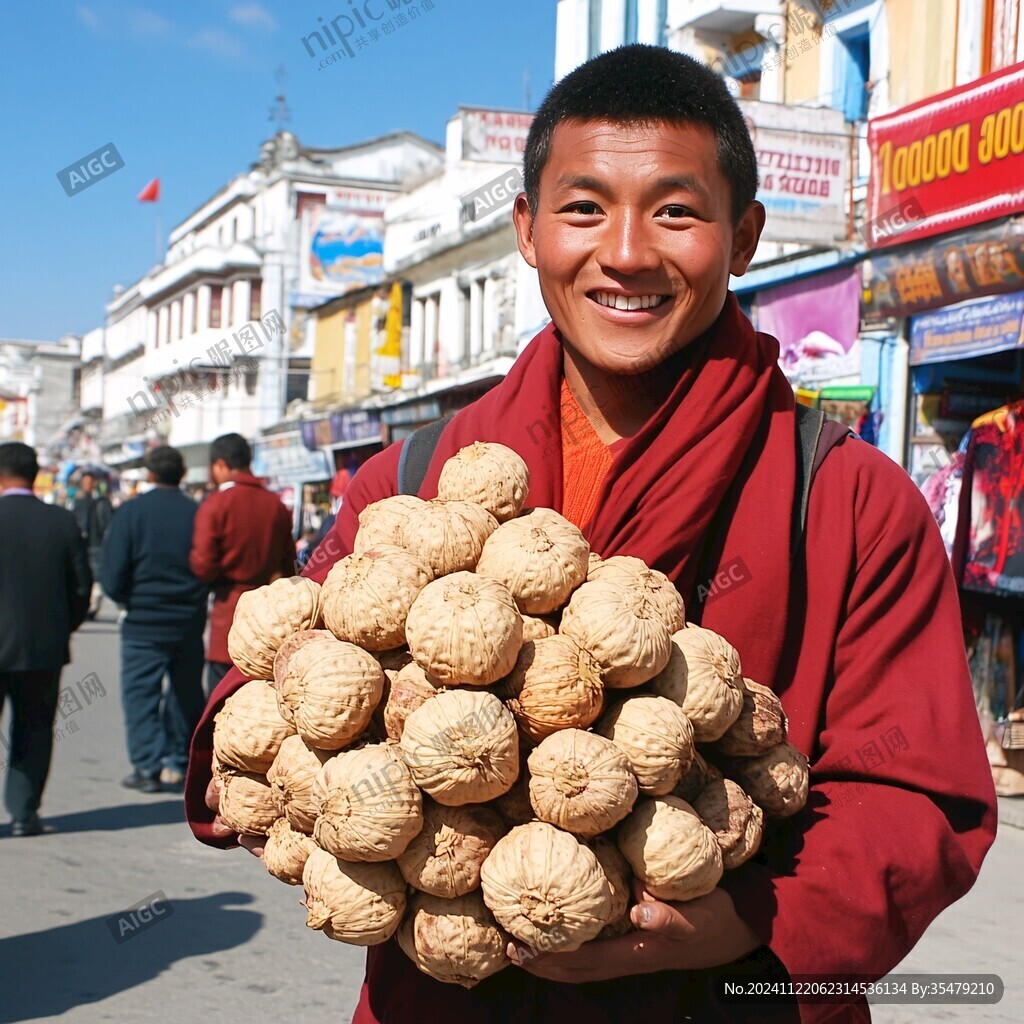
(629, 302)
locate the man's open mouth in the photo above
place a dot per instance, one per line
(628, 302)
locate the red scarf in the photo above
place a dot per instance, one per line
(719, 455)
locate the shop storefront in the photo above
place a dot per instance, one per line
(401, 420)
(834, 362)
(296, 474)
(947, 271)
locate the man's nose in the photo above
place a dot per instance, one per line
(627, 246)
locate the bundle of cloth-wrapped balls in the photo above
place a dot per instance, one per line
(477, 729)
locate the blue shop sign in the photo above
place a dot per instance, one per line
(968, 329)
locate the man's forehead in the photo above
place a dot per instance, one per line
(575, 130)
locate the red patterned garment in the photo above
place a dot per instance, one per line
(989, 553)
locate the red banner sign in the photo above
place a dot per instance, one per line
(947, 162)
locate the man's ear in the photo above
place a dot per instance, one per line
(745, 238)
(523, 220)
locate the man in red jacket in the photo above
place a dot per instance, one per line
(640, 203)
(242, 540)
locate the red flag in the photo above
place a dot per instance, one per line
(151, 193)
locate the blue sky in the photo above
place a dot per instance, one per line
(183, 89)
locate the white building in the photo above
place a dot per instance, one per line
(214, 339)
(474, 299)
(38, 390)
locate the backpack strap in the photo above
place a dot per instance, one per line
(417, 451)
(816, 436)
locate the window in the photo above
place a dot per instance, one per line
(298, 383)
(234, 230)
(853, 69)
(594, 24)
(662, 22)
(632, 27)
(306, 200)
(215, 310)
(255, 290)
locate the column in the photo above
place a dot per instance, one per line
(476, 319)
(162, 321)
(203, 302)
(430, 311)
(416, 336)
(175, 329)
(490, 338)
(240, 303)
(188, 306)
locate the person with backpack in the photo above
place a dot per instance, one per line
(653, 416)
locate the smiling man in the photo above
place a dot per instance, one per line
(654, 416)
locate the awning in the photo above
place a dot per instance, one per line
(793, 270)
(124, 453)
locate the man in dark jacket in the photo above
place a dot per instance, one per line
(44, 594)
(145, 568)
(93, 512)
(243, 540)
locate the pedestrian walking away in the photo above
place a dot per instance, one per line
(45, 584)
(654, 418)
(243, 540)
(93, 513)
(146, 568)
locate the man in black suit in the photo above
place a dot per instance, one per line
(45, 582)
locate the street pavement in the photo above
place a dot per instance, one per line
(234, 943)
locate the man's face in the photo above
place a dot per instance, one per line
(88, 483)
(639, 217)
(220, 472)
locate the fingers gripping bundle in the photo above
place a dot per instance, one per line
(477, 729)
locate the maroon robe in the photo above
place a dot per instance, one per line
(242, 540)
(860, 637)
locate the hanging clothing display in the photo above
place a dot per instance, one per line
(988, 554)
(942, 492)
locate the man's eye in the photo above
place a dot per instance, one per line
(586, 209)
(674, 211)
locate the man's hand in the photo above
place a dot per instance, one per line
(254, 844)
(701, 933)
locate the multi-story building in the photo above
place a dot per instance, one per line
(214, 338)
(38, 391)
(457, 304)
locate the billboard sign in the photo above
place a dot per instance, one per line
(959, 155)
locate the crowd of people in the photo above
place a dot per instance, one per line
(172, 565)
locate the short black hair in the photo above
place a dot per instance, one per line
(644, 85)
(166, 464)
(19, 461)
(233, 449)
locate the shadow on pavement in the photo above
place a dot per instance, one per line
(48, 973)
(113, 819)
